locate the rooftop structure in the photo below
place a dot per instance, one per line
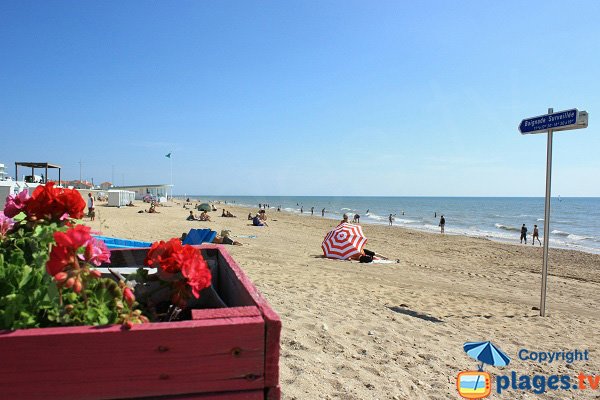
(33, 166)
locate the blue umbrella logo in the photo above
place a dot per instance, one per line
(486, 353)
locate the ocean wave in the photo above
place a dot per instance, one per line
(578, 237)
(376, 217)
(540, 219)
(507, 228)
(406, 221)
(346, 209)
(560, 233)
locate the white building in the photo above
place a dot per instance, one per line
(3, 174)
(157, 192)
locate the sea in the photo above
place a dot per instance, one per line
(574, 221)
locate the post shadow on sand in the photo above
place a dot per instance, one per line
(415, 314)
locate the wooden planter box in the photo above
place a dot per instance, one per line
(225, 353)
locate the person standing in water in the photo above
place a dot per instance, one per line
(442, 223)
(536, 235)
(391, 219)
(322, 212)
(312, 211)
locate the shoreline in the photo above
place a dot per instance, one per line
(413, 228)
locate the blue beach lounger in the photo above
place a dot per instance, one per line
(118, 243)
(199, 236)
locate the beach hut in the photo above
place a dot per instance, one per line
(204, 207)
(119, 198)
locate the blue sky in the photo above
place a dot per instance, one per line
(303, 98)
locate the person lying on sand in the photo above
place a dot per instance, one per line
(368, 256)
(224, 238)
(227, 214)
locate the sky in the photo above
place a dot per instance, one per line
(370, 98)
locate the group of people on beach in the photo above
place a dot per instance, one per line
(535, 235)
(259, 219)
(227, 214)
(202, 217)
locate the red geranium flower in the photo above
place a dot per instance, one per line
(161, 255)
(68, 243)
(60, 258)
(50, 203)
(194, 268)
(183, 266)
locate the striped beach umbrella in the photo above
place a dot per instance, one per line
(344, 241)
(486, 353)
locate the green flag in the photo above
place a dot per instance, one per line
(168, 155)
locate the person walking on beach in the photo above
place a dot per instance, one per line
(536, 234)
(442, 224)
(524, 234)
(322, 212)
(301, 210)
(356, 219)
(91, 207)
(312, 211)
(391, 219)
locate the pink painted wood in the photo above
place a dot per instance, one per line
(226, 353)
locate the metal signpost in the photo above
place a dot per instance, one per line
(551, 122)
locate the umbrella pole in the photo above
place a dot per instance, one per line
(480, 367)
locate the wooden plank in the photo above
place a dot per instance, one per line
(233, 312)
(273, 393)
(245, 395)
(150, 360)
(235, 279)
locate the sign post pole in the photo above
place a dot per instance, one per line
(550, 123)
(546, 219)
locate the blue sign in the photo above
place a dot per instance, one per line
(548, 121)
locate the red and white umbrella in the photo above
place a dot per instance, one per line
(344, 241)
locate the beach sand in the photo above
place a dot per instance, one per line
(396, 331)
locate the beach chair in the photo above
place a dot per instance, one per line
(118, 243)
(199, 236)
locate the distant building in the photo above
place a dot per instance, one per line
(77, 184)
(155, 191)
(3, 174)
(105, 185)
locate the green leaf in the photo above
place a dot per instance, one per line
(26, 277)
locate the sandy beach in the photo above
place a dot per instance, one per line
(396, 331)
